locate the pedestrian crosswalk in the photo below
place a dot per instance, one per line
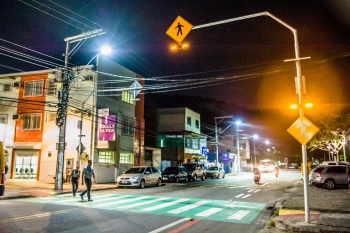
(215, 210)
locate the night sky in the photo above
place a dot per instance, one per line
(243, 60)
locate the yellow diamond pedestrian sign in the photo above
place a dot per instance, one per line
(303, 130)
(179, 29)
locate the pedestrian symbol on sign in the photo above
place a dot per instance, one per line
(179, 29)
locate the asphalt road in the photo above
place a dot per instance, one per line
(233, 204)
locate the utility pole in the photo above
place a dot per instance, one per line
(61, 119)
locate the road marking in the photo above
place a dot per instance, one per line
(169, 225)
(240, 195)
(143, 203)
(208, 209)
(29, 217)
(121, 201)
(165, 205)
(183, 227)
(188, 207)
(258, 190)
(248, 195)
(209, 212)
(240, 214)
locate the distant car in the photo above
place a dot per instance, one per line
(329, 176)
(140, 176)
(266, 167)
(195, 170)
(175, 174)
(215, 172)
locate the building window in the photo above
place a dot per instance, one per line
(126, 158)
(128, 97)
(128, 126)
(31, 121)
(50, 87)
(197, 124)
(106, 157)
(189, 121)
(33, 88)
(195, 144)
(7, 87)
(3, 119)
(188, 142)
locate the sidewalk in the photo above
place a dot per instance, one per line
(33, 188)
(329, 211)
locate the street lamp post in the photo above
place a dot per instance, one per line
(216, 135)
(297, 60)
(255, 137)
(238, 156)
(61, 120)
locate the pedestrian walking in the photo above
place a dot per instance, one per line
(88, 173)
(75, 180)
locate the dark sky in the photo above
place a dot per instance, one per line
(248, 54)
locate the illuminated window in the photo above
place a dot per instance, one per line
(33, 88)
(31, 121)
(195, 143)
(128, 97)
(106, 157)
(51, 88)
(126, 158)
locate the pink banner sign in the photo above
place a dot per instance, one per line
(106, 128)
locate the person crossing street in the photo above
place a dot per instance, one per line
(88, 173)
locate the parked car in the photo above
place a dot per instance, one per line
(140, 176)
(215, 172)
(329, 176)
(175, 174)
(195, 170)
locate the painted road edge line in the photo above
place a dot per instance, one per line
(169, 225)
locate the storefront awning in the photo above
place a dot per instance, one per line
(195, 156)
(25, 145)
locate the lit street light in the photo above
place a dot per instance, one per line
(105, 51)
(238, 157)
(255, 136)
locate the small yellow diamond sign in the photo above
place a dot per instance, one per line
(179, 29)
(303, 130)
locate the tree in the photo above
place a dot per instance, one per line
(334, 132)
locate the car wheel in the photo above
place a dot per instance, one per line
(177, 180)
(329, 184)
(142, 184)
(223, 176)
(212, 177)
(218, 176)
(194, 178)
(159, 182)
(203, 177)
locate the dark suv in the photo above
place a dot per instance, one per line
(195, 170)
(175, 174)
(329, 176)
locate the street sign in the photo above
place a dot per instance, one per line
(82, 147)
(179, 29)
(303, 130)
(135, 89)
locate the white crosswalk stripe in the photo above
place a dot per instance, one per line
(240, 214)
(165, 205)
(143, 203)
(122, 201)
(209, 212)
(188, 207)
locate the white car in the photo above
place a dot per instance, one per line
(140, 176)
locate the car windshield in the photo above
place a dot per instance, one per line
(171, 169)
(134, 170)
(213, 168)
(190, 166)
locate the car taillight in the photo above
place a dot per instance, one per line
(318, 175)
